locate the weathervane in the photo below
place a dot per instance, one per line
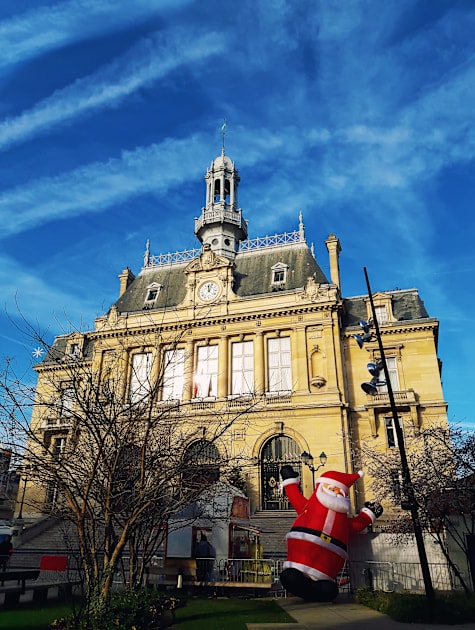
(223, 131)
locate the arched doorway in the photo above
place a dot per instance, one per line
(276, 452)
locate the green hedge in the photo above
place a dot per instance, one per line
(446, 609)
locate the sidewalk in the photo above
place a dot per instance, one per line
(342, 615)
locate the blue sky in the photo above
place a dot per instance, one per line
(358, 113)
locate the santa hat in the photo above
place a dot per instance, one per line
(340, 479)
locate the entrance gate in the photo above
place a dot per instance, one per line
(277, 452)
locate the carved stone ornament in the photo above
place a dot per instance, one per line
(113, 319)
(318, 381)
(316, 292)
(208, 260)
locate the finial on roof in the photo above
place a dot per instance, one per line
(146, 258)
(301, 227)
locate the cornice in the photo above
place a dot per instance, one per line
(398, 327)
(221, 320)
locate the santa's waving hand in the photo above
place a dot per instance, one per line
(317, 543)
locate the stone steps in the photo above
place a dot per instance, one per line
(274, 526)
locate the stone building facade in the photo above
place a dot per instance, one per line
(255, 328)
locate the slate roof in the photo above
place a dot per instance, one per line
(252, 277)
(406, 305)
(58, 350)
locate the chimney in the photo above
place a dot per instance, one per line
(126, 277)
(334, 249)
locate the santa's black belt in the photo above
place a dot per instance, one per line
(322, 535)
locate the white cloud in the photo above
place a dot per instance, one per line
(145, 63)
(29, 295)
(35, 32)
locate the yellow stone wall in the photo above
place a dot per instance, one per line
(327, 411)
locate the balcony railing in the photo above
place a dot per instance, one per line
(401, 398)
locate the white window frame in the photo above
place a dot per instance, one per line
(173, 374)
(242, 368)
(279, 274)
(68, 398)
(141, 368)
(206, 374)
(150, 299)
(382, 314)
(58, 447)
(390, 431)
(279, 365)
(391, 363)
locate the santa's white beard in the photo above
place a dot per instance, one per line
(337, 503)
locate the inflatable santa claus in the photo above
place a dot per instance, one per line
(317, 543)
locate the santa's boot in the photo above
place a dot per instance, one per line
(297, 583)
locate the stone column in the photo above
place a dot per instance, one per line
(259, 364)
(223, 390)
(188, 371)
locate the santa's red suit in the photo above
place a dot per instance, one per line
(317, 542)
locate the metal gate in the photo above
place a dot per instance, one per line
(277, 452)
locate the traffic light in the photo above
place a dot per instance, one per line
(371, 387)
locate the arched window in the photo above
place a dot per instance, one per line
(217, 190)
(277, 452)
(200, 464)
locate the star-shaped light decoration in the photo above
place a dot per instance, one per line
(38, 353)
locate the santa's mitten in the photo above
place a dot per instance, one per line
(287, 472)
(375, 507)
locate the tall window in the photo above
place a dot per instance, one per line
(58, 446)
(67, 402)
(391, 435)
(173, 374)
(279, 367)
(140, 377)
(393, 376)
(242, 368)
(206, 377)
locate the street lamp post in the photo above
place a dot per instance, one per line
(406, 474)
(20, 513)
(307, 459)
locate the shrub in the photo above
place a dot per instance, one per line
(406, 607)
(129, 609)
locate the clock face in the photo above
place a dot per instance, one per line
(208, 291)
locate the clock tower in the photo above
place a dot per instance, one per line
(221, 225)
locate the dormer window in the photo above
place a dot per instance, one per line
(279, 275)
(153, 291)
(383, 308)
(73, 350)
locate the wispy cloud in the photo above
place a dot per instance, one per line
(144, 64)
(36, 32)
(29, 295)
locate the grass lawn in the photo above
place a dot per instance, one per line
(228, 614)
(33, 616)
(198, 614)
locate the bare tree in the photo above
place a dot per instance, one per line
(442, 464)
(106, 454)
